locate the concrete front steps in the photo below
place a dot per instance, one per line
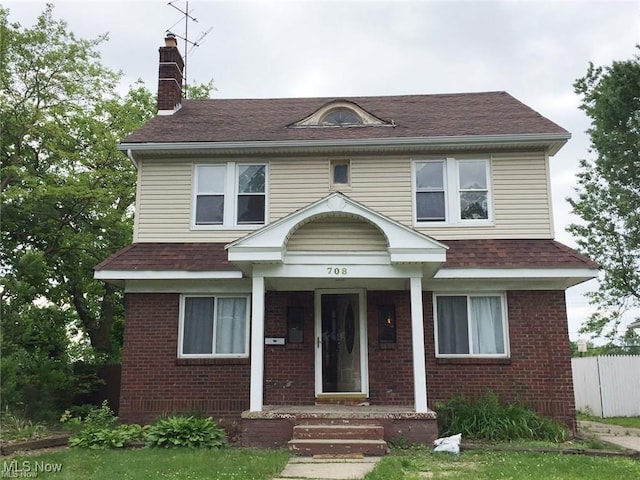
(338, 439)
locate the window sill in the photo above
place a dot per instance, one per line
(211, 361)
(464, 224)
(473, 361)
(387, 346)
(252, 226)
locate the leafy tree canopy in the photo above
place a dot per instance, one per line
(67, 193)
(608, 195)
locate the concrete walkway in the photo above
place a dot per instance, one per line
(624, 437)
(308, 468)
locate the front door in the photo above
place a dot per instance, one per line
(341, 359)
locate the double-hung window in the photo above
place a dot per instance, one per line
(473, 189)
(431, 199)
(452, 191)
(471, 325)
(210, 189)
(230, 195)
(214, 326)
(251, 194)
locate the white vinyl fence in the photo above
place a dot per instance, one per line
(607, 386)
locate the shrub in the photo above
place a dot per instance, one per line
(488, 419)
(89, 417)
(184, 431)
(106, 437)
(97, 429)
(36, 377)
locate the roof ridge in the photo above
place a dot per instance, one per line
(329, 98)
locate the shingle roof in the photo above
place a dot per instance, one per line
(169, 256)
(514, 254)
(238, 120)
(461, 254)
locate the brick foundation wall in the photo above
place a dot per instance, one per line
(155, 381)
(538, 372)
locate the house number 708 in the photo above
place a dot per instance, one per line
(337, 271)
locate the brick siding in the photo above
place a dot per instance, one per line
(154, 381)
(538, 372)
(289, 370)
(390, 365)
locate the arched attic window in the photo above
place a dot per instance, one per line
(341, 113)
(339, 117)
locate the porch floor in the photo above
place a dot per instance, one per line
(328, 411)
(275, 425)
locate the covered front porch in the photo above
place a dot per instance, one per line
(337, 252)
(337, 335)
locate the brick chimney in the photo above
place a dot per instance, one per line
(170, 76)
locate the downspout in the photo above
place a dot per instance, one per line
(132, 158)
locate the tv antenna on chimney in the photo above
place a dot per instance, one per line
(187, 42)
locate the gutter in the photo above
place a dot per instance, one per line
(554, 141)
(131, 157)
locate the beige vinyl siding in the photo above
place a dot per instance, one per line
(521, 197)
(521, 202)
(384, 184)
(337, 234)
(164, 205)
(295, 183)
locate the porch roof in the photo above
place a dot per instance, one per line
(403, 244)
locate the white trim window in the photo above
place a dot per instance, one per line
(471, 325)
(450, 191)
(430, 188)
(473, 189)
(209, 194)
(251, 194)
(213, 327)
(230, 195)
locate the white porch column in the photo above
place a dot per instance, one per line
(417, 337)
(257, 344)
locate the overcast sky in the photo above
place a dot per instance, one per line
(533, 50)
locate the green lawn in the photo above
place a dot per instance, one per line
(245, 464)
(145, 463)
(630, 422)
(479, 465)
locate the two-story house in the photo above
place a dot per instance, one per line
(363, 256)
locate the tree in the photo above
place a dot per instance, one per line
(608, 194)
(67, 193)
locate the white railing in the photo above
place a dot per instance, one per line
(607, 386)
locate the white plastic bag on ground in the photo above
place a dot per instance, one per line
(448, 444)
